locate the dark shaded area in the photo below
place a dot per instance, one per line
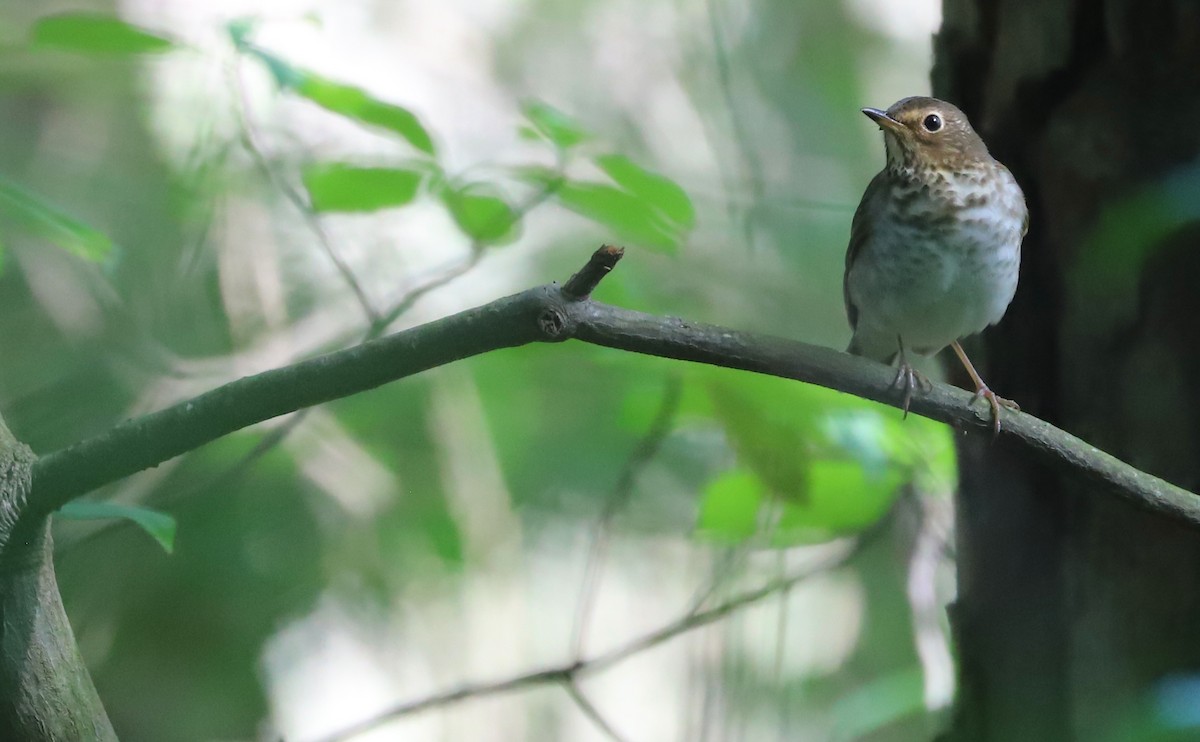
(1074, 607)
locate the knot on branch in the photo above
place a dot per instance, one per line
(579, 286)
(553, 323)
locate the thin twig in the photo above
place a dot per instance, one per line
(781, 639)
(406, 302)
(248, 134)
(703, 618)
(643, 453)
(378, 326)
(462, 693)
(732, 558)
(570, 672)
(412, 296)
(582, 284)
(727, 560)
(590, 711)
(741, 135)
(378, 322)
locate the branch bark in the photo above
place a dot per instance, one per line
(551, 314)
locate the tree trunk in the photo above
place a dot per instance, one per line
(46, 694)
(1076, 611)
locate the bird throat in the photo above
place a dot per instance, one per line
(914, 160)
(899, 158)
(907, 164)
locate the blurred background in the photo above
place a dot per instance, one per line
(238, 185)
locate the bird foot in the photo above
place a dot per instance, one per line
(995, 401)
(909, 380)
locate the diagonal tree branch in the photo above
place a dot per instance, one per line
(461, 693)
(548, 314)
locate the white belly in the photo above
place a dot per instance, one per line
(933, 291)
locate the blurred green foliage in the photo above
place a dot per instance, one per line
(337, 97)
(336, 186)
(402, 500)
(160, 526)
(42, 219)
(481, 213)
(877, 704)
(1126, 235)
(93, 33)
(833, 463)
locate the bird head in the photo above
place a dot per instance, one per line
(920, 133)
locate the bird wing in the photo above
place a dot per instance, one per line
(860, 233)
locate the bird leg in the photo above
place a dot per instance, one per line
(908, 378)
(982, 391)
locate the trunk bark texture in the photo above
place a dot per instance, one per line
(46, 694)
(1078, 613)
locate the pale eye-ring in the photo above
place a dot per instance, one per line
(932, 122)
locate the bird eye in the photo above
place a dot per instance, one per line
(932, 122)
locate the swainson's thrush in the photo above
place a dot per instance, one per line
(935, 244)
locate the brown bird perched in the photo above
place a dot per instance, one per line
(935, 244)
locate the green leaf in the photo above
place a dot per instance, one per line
(730, 505)
(46, 221)
(528, 132)
(878, 704)
(834, 462)
(659, 222)
(159, 525)
(342, 187)
(658, 191)
(631, 218)
(357, 104)
(482, 214)
(841, 496)
(539, 175)
(93, 33)
(770, 427)
(287, 76)
(553, 124)
(346, 100)
(240, 30)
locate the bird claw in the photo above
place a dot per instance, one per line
(909, 379)
(995, 401)
(924, 382)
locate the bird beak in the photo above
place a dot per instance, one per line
(886, 122)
